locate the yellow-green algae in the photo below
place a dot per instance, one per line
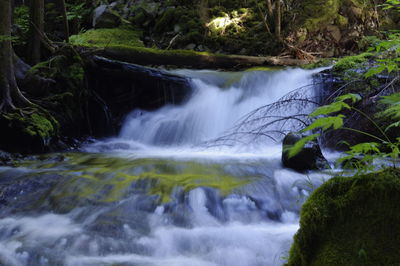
(351, 221)
(106, 179)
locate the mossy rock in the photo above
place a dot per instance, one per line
(30, 130)
(351, 63)
(66, 98)
(127, 36)
(351, 221)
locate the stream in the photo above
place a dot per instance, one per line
(181, 185)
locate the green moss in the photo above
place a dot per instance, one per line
(351, 62)
(104, 37)
(167, 20)
(320, 63)
(28, 130)
(319, 13)
(351, 221)
(272, 68)
(40, 126)
(342, 21)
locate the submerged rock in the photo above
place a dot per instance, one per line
(309, 158)
(351, 221)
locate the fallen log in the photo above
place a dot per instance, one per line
(190, 59)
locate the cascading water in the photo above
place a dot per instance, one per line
(155, 195)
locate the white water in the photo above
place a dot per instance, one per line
(211, 110)
(252, 226)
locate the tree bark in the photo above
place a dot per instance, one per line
(63, 11)
(37, 24)
(10, 95)
(278, 17)
(269, 9)
(148, 57)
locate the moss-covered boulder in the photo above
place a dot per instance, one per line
(351, 221)
(30, 130)
(67, 96)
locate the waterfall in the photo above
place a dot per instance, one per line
(219, 101)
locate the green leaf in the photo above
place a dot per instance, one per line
(396, 124)
(330, 108)
(350, 96)
(326, 122)
(375, 71)
(391, 99)
(298, 146)
(365, 148)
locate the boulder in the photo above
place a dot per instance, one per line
(309, 158)
(105, 17)
(351, 221)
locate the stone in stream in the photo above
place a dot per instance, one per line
(309, 158)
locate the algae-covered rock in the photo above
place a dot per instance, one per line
(351, 221)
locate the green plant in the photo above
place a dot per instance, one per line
(391, 4)
(362, 155)
(75, 11)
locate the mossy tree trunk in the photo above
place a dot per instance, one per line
(10, 95)
(37, 27)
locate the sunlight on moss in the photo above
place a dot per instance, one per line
(220, 24)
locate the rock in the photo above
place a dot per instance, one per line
(33, 131)
(190, 46)
(351, 221)
(177, 28)
(105, 17)
(309, 158)
(335, 32)
(134, 87)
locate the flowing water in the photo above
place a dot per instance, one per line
(165, 191)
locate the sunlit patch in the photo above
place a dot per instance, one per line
(220, 24)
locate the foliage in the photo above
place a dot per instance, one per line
(391, 4)
(76, 11)
(328, 118)
(21, 17)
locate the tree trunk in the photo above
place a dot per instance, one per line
(10, 95)
(63, 11)
(269, 9)
(37, 26)
(278, 17)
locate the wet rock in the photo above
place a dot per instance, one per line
(105, 17)
(309, 158)
(134, 86)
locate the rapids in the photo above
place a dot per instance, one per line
(175, 187)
